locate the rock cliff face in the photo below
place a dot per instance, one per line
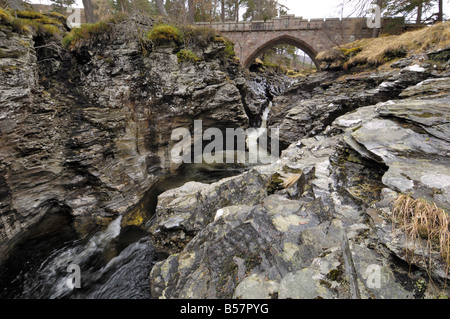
(318, 223)
(87, 133)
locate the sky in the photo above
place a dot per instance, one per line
(312, 9)
(308, 9)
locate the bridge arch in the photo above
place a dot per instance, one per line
(284, 39)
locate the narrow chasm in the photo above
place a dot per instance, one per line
(103, 169)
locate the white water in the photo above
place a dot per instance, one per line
(256, 154)
(265, 115)
(253, 136)
(79, 255)
(53, 273)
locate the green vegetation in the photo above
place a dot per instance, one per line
(48, 21)
(5, 17)
(29, 15)
(289, 57)
(187, 55)
(351, 52)
(57, 15)
(31, 22)
(229, 46)
(188, 37)
(275, 184)
(267, 65)
(89, 33)
(165, 33)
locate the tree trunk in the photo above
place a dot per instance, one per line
(419, 13)
(89, 11)
(222, 10)
(440, 13)
(160, 7)
(191, 11)
(236, 10)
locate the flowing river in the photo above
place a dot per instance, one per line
(114, 262)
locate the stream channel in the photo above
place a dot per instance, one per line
(114, 262)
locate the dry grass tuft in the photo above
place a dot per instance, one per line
(423, 220)
(377, 51)
(291, 180)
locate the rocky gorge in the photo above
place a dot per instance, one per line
(85, 144)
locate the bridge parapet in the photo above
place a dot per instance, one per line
(284, 22)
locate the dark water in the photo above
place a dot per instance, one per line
(114, 262)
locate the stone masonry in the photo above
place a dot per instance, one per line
(312, 36)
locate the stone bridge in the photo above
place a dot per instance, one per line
(311, 36)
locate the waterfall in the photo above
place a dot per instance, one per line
(253, 142)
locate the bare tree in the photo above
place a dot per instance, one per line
(355, 7)
(360, 9)
(16, 5)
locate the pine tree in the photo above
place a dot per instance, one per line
(421, 11)
(61, 5)
(262, 9)
(418, 10)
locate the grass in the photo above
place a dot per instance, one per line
(31, 22)
(5, 17)
(374, 52)
(165, 33)
(29, 15)
(422, 220)
(229, 46)
(187, 55)
(87, 32)
(189, 37)
(46, 20)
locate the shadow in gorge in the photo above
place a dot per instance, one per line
(54, 232)
(114, 262)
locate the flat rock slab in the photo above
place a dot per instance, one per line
(408, 140)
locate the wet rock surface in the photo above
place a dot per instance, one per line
(330, 234)
(88, 136)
